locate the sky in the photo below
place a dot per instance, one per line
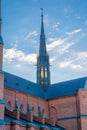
(65, 24)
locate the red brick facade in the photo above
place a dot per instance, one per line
(68, 112)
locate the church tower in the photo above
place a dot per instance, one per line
(1, 73)
(43, 67)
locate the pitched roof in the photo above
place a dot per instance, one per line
(20, 84)
(66, 88)
(57, 90)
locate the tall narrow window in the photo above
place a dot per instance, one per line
(42, 72)
(45, 72)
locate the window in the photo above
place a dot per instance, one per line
(45, 72)
(53, 112)
(42, 72)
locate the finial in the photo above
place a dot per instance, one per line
(41, 12)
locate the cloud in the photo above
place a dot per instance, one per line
(15, 54)
(74, 32)
(46, 19)
(56, 26)
(78, 61)
(52, 59)
(69, 64)
(34, 33)
(55, 43)
(51, 39)
(18, 66)
(64, 48)
(82, 56)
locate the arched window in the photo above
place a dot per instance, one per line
(45, 72)
(42, 72)
(53, 112)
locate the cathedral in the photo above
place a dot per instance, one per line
(25, 105)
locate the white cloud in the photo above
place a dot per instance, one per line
(14, 54)
(69, 64)
(56, 26)
(64, 48)
(55, 43)
(77, 61)
(34, 33)
(51, 39)
(74, 32)
(52, 59)
(18, 66)
(46, 19)
(82, 56)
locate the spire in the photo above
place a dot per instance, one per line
(43, 67)
(42, 25)
(42, 49)
(1, 41)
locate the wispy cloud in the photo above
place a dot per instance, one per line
(56, 26)
(55, 43)
(64, 48)
(34, 33)
(18, 66)
(18, 55)
(78, 61)
(70, 64)
(82, 55)
(74, 32)
(46, 19)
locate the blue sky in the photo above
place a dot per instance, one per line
(65, 23)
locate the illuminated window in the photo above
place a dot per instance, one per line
(42, 72)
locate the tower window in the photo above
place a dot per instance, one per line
(42, 72)
(45, 72)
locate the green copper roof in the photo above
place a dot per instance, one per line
(22, 85)
(57, 90)
(37, 124)
(66, 88)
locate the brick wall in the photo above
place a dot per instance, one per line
(82, 102)
(66, 111)
(24, 99)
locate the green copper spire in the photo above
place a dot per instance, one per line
(43, 69)
(1, 41)
(42, 25)
(42, 49)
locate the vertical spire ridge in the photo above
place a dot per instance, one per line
(42, 49)
(42, 25)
